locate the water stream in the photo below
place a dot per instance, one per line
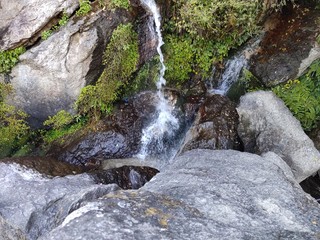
(165, 123)
(233, 68)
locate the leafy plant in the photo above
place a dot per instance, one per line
(46, 34)
(302, 96)
(120, 59)
(85, 7)
(9, 58)
(63, 20)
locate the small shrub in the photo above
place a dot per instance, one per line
(9, 58)
(85, 7)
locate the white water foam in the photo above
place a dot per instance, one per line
(165, 122)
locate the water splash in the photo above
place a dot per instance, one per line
(165, 123)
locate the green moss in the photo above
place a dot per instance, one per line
(145, 79)
(9, 58)
(179, 58)
(120, 59)
(58, 134)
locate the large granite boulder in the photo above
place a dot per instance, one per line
(266, 124)
(21, 20)
(214, 194)
(50, 76)
(215, 126)
(35, 204)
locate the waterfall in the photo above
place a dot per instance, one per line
(233, 68)
(231, 74)
(165, 123)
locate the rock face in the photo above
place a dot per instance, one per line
(213, 195)
(288, 46)
(21, 20)
(215, 126)
(50, 76)
(266, 124)
(35, 204)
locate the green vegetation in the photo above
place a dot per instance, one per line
(120, 59)
(125, 4)
(13, 127)
(62, 21)
(46, 34)
(9, 58)
(302, 96)
(200, 33)
(145, 79)
(85, 7)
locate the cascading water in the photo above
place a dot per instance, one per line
(233, 68)
(165, 124)
(231, 74)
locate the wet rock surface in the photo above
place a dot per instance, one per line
(215, 126)
(222, 194)
(287, 44)
(46, 165)
(126, 177)
(266, 124)
(118, 136)
(21, 20)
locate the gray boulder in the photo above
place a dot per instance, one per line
(204, 194)
(51, 75)
(266, 124)
(36, 204)
(21, 20)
